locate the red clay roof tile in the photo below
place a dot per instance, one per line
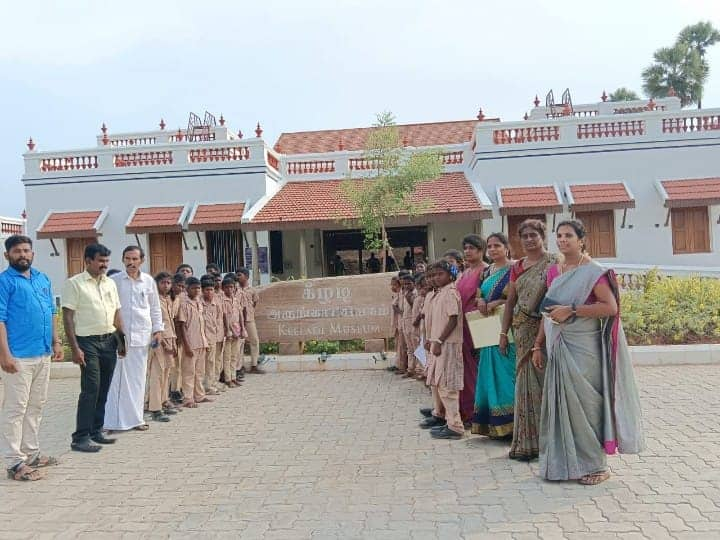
(155, 219)
(219, 216)
(416, 135)
(69, 225)
(692, 192)
(528, 199)
(323, 201)
(588, 197)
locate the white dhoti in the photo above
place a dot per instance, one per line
(126, 397)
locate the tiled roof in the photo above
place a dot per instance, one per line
(300, 203)
(417, 135)
(155, 219)
(221, 216)
(588, 197)
(529, 199)
(70, 225)
(692, 192)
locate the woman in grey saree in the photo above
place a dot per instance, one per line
(590, 404)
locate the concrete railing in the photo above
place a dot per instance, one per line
(632, 276)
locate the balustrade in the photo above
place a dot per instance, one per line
(132, 141)
(311, 167)
(273, 161)
(143, 159)
(68, 163)
(453, 158)
(618, 128)
(232, 153)
(691, 124)
(526, 135)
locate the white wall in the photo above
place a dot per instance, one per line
(648, 241)
(121, 197)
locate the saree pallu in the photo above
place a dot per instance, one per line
(591, 406)
(467, 286)
(530, 287)
(495, 389)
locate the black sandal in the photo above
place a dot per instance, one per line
(42, 461)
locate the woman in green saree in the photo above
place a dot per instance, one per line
(527, 288)
(495, 388)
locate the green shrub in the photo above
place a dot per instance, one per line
(673, 310)
(319, 347)
(269, 348)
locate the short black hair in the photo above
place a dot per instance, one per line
(243, 270)
(192, 280)
(207, 282)
(93, 250)
(419, 277)
(178, 278)
(112, 272)
(134, 248)
(407, 277)
(229, 279)
(212, 267)
(162, 275)
(184, 265)
(16, 240)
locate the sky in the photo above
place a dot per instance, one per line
(67, 67)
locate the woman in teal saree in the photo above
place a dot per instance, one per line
(495, 388)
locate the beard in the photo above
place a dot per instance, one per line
(21, 265)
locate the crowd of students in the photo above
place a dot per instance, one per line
(557, 383)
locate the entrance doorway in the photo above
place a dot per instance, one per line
(349, 245)
(166, 252)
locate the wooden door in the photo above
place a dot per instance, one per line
(75, 251)
(166, 252)
(600, 229)
(690, 230)
(514, 222)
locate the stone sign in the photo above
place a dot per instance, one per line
(335, 308)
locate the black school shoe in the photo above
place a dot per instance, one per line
(85, 445)
(445, 433)
(426, 412)
(432, 422)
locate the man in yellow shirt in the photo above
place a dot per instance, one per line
(91, 313)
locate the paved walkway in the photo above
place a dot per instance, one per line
(338, 455)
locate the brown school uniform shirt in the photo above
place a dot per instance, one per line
(426, 311)
(210, 313)
(444, 305)
(218, 299)
(191, 314)
(417, 309)
(397, 317)
(407, 313)
(249, 298)
(232, 312)
(169, 309)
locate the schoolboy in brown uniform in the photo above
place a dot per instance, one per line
(251, 299)
(417, 319)
(211, 308)
(233, 331)
(192, 333)
(162, 353)
(411, 340)
(400, 347)
(218, 364)
(446, 348)
(178, 294)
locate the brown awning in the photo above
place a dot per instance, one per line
(72, 224)
(593, 197)
(216, 217)
(155, 219)
(690, 192)
(524, 200)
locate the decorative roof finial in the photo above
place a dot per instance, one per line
(258, 130)
(604, 96)
(480, 115)
(536, 101)
(162, 124)
(240, 134)
(103, 128)
(24, 214)
(222, 120)
(179, 135)
(525, 117)
(341, 143)
(651, 104)
(31, 144)
(671, 91)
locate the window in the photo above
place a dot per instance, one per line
(224, 248)
(690, 230)
(600, 228)
(516, 250)
(276, 252)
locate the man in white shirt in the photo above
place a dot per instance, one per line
(142, 319)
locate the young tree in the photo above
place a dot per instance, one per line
(623, 94)
(388, 192)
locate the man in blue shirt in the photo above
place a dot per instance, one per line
(28, 337)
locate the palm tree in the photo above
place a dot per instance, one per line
(699, 36)
(680, 67)
(623, 94)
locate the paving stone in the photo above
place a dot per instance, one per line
(338, 455)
